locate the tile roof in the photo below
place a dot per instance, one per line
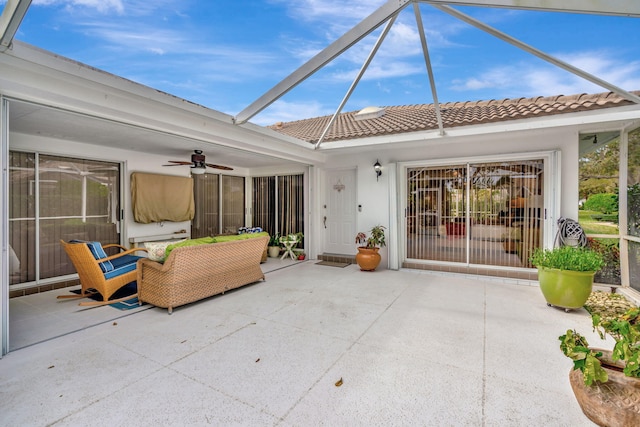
(411, 118)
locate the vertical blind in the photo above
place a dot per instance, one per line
(278, 203)
(206, 221)
(216, 212)
(484, 214)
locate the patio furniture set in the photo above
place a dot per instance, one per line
(193, 269)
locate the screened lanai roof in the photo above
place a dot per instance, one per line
(434, 115)
(457, 115)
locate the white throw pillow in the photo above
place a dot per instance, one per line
(156, 250)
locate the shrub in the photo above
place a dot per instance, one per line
(567, 258)
(603, 202)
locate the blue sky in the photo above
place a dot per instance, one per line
(226, 54)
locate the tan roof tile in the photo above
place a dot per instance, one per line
(411, 118)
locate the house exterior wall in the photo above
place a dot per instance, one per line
(379, 198)
(134, 161)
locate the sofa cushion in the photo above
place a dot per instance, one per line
(156, 251)
(244, 236)
(189, 242)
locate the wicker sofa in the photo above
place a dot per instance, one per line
(193, 273)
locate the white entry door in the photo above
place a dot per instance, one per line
(340, 212)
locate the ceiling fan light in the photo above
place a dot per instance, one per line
(198, 170)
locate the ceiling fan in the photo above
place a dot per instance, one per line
(198, 164)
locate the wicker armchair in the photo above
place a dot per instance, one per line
(100, 273)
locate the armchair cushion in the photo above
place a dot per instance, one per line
(98, 253)
(122, 265)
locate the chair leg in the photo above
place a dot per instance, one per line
(80, 295)
(111, 301)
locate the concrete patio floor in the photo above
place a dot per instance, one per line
(411, 348)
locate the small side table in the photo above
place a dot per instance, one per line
(288, 248)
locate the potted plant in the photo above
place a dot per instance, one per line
(616, 403)
(290, 241)
(274, 245)
(566, 274)
(368, 257)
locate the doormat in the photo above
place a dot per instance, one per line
(333, 264)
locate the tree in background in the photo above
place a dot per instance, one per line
(599, 171)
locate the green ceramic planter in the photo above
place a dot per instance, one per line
(565, 289)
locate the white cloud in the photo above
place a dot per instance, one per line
(282, 111)
(527, 79)
(101, 6)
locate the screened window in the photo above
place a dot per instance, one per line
(599, 177)
(633, 208)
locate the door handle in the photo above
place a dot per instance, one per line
(325, 222)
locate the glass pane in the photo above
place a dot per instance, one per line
(500, 226)
(633, 184)
(232, 204)
(436, 223)
(291, 205)
(79, 199)
(264, 210)
(22, 224)
(206, 221)
(506, 208)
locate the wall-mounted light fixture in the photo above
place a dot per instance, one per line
(378, 168)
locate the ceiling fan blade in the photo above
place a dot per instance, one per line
(224, 168)
(178, 163)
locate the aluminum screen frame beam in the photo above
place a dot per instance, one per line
(328, 54)
(12, 15)
(536, 52)
(629, 8)
(355, 82)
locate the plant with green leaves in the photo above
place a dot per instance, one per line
(376, 238)
(292, 237)
(274, 240)
(625, 330)
(576, 347)
(567, 258)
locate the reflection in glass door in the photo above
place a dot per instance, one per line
(478, 213)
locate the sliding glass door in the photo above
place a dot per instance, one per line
(278, 203)
(219, 203)
(485, 213)
(54, 198)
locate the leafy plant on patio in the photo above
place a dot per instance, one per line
(614, 404)
(376, 238)
(368, 257)
(566, 274)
